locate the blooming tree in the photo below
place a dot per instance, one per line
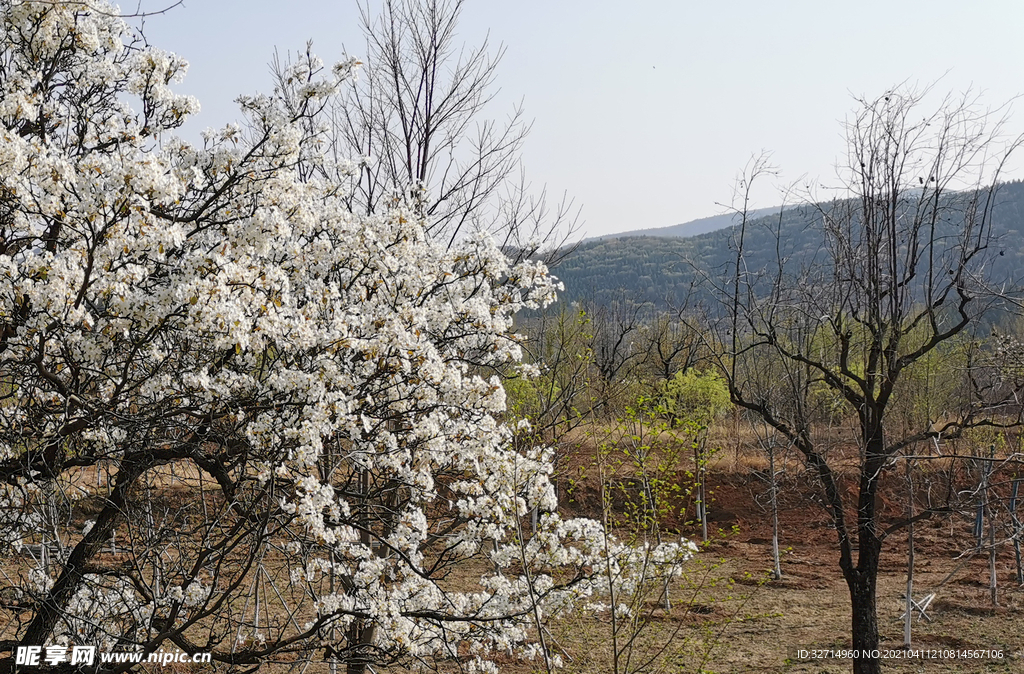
(297, 409)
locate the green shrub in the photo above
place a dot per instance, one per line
(693, 394)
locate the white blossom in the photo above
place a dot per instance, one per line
(222, 310)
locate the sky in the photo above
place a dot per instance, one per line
(646, 112)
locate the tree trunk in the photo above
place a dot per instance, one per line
(865, 621)
(360, 641)
(777, 572)
(1017, 530)
(361, 632)
(863, 580)
(50, 609)
(909, 617)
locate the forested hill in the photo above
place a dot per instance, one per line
(661, 269)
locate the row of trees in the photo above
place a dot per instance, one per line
(888, 326)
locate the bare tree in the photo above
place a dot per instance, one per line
(617, 347)
(768, 441)
(674, 341)
(416, 115)
(903, 268)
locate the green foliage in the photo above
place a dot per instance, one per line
(559, 348)
(695, 395)
(652, 471)
(526, 397)
(933, 387)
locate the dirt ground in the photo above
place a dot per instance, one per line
(810, 608)
(727, 615)
(733, 618)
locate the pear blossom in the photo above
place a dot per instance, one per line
(299, 407)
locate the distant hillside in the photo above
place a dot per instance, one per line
(691, 228)
(661, 269)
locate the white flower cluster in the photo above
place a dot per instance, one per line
(103, 612)
(152, 293)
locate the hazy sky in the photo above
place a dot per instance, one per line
(645, 112)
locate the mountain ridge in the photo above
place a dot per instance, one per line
(661, 270)
(689, 228)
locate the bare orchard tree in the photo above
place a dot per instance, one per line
(902, 270)
(674, 341)
(416, 117)
(617, 342)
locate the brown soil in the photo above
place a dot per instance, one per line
(738, 620)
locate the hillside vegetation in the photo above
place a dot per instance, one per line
(662, 270)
